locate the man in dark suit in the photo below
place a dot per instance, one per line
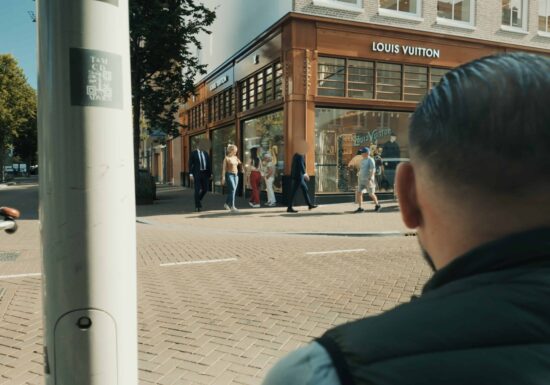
(200, 171)
(299, 176)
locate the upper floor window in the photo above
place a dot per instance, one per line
(460, 11)
(402, 6)
(264, 86)
(363, 79)
(346, 5)
(544, 16)
(514, 13)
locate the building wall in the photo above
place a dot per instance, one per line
(238, 22)
(487, 21)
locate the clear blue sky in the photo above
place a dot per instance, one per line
(18, 35)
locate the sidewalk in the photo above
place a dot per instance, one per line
(176, 206)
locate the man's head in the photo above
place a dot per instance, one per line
(480, 155)
(204, 144)
(365, 152)
(393, 137)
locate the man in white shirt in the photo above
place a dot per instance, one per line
(366, 181)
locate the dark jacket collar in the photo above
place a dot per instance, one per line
(521, 249)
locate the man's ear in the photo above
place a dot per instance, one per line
(405, 187)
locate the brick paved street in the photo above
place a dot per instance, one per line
(275, 281)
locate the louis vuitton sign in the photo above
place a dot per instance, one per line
(409, 50)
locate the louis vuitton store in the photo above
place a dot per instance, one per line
(301, 82)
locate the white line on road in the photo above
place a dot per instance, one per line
(335, 251)
(20, 275)
(198, 262)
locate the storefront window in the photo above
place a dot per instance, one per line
(195, 139)
(221, 138)
(266, 134)
(340, 133)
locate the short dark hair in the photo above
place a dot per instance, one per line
(486, 125)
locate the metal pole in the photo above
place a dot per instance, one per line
(87, 198)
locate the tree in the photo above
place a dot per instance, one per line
(162, 34)
(17, 104)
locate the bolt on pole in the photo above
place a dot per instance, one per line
(87, 195)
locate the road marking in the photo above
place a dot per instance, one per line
(198, 262)
(335, 251)
(20, 275)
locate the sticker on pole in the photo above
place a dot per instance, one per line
(96, 78)
(114, 2)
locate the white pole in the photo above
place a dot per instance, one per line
(87, 199)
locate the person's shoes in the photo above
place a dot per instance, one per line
(234, 209)
(359, 210)
(226, 206)
(291, 210)
(377, 208)
(257, 205)
(251, 204)
(312, 207)
(272, 204)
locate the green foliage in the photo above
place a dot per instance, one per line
(17, 106)
(162, 36)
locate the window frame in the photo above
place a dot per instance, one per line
(458, 23)
(524, 18)
(338, 4)
(417, 16)
(546, 32)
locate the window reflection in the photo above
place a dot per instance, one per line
(340, 133)
(266, 134)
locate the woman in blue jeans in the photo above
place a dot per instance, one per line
(230, 172)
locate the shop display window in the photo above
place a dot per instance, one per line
(514, 13)
(195, 139)
(266, 134)
(460, 11)
(544, 16)
(221, 138)
(340, 133)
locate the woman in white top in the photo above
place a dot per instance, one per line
(230, 172)
(269, 175)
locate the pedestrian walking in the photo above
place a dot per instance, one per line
(230, 173)
(200, 171)
(483, 318)
(255, 178)
(269, 176)
(367, 183)
(299, 177)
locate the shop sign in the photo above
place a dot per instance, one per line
(370, 137)
(219, 82)
(409, 50)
